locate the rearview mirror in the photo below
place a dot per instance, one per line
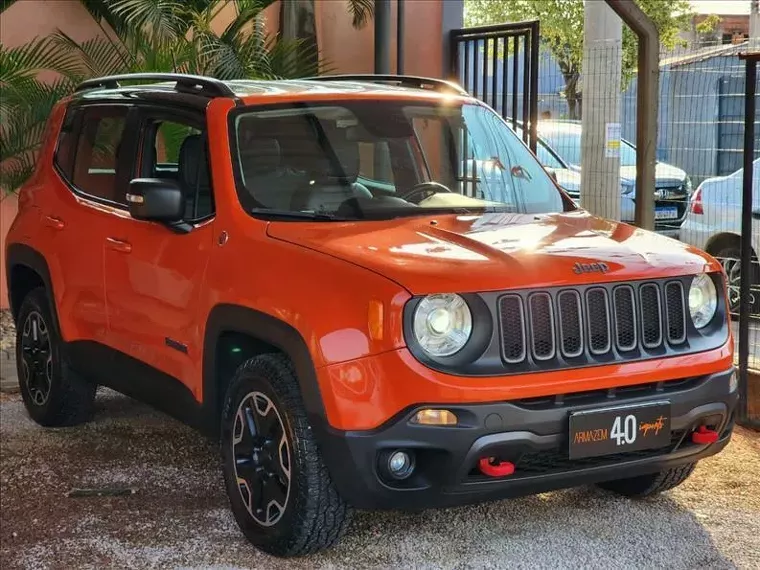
(156, 199)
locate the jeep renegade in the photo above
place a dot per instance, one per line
(368, 289)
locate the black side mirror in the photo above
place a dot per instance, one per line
(551, 172)
(156, 199)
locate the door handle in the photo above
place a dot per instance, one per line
(119, 245)
(55, 223)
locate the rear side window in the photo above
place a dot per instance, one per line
(67, 143)
(88, 155)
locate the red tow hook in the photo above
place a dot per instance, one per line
(493, 468)
(704, 435)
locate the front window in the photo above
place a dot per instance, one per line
(379, 160)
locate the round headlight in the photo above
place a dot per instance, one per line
(442, 324)
(703, 300)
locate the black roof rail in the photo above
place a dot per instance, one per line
(402, 80)
(207, 86)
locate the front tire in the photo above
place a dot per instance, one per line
(650, 485)
(54, 395)
(279, 489)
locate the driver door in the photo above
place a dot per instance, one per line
(154, 275)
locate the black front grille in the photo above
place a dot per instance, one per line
(570, 323)
(513, 328)
(542, 462)
(674, 301)
(651, 320)
(542, 326)
(625, 318)
(599, 322)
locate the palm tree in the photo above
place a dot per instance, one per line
(137, 36)
(25, 105)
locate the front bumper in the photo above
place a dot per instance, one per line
(533, 433)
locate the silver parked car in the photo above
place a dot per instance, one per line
(559, 148)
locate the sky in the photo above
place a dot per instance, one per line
(721, 6)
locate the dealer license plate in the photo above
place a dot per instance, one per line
(665, 213)
(620, 429)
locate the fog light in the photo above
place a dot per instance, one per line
(398, 464)
(431, 417)
(733, 382)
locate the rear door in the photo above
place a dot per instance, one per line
(92, 161)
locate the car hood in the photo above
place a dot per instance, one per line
(665, 175)
(491, 252)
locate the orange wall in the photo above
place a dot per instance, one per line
(352, 51)
(346, 49)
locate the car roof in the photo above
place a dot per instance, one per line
(197, 89)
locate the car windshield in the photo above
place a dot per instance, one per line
(354, 160)
(566, 142)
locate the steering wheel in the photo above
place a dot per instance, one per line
(424, 190)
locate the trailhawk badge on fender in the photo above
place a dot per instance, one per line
(590, 268)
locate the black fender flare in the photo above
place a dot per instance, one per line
(18, 254)
(225, 318)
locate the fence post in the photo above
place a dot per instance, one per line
(751, 59)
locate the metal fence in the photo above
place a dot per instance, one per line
(700, 147)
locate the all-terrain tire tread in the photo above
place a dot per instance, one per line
(73, 397)
(322, 516)
(648, 485)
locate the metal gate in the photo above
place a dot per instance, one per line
(749, 380)
(499, 65)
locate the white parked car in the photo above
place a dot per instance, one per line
(714, 224)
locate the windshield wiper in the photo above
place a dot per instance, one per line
(296, 215)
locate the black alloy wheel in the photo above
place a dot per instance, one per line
(36, 358)
(262, 458)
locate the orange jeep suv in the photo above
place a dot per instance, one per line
(368, 289)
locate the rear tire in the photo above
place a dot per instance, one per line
(279, 489)
(650, 485)
(730, 258)
(54, 395)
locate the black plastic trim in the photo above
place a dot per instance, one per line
(106, 366)
(227, 318)
(18, 254)
(209, 86)
(412, 81)
(445, 456)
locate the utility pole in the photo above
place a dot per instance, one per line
(754, 23)
(600, 136)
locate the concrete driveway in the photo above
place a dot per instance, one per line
(178, 515)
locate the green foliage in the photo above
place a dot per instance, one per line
(709, 24)
(362, 11)
(25, 105)
(562, 30)
(137, 36)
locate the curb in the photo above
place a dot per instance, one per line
(8, 375)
